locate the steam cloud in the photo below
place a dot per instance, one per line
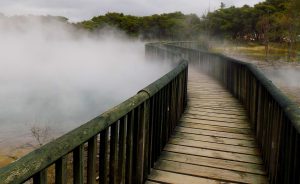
(53, 74)
(285, 76)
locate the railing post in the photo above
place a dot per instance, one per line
(104, 157)
(40, 177)
(78, 165)
(61, 171)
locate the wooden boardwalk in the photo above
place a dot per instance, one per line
(213, 142)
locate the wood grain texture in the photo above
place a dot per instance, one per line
(212, 143)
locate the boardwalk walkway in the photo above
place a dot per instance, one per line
(212, 143)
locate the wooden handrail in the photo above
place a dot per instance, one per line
(275, 119)
(131, 135)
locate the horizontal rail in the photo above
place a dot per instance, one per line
(127, 138)
(273, 116)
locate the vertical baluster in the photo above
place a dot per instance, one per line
(151, 135)
(114, 139)
(91, 164)
(129, 147)
(78, 165)
(40, 177)
(122, 150)
(135, 159)
(146, 141)
(162, 118)
(61, 170)
(159, 123)
(140, 145)
(104, 157)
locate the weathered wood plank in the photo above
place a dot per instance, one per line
(215, 123)
(213, 162)
(214, 133)
(218, 111)
(209, 172)
(174, 178)
(214, 146)
(214, 139)
(214, 128)
(214, 118)
(214, 107)
(214, 114)
(213, 154)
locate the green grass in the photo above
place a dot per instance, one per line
(277, 52)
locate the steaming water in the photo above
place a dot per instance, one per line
(287, 79)
(52, 75)
(285, 76)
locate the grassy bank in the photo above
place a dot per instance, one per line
(256, 51)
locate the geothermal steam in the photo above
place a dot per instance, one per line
(53, 75)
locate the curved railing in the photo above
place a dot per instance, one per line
(127, 138)
(275, 119)
(132, 135)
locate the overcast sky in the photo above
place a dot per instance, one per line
(77, 10)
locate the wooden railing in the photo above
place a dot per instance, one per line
(129, 138)
(275, 119)
(122, 143)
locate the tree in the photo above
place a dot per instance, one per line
(291, 22)
(222, 6)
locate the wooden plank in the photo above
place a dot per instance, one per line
(209, 172)
(215, 123)
(151, 182)
(206, 91)
(214, 146)
(228, 120)
(214, 139)
(215, 128)
(213, 154)
(213, 162)
(214, 100)
(197, 98)
(228, 105)
(214, 133)
(216, 110)
(203, 107)
(214, 114)
(209, 94)
(214, 106)
(170, 177)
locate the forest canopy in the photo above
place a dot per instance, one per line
(272, 20)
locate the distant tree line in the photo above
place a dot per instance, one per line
(273, 20)
(168, 26)
(269, 21)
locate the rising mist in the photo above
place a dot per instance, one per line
(54, 75)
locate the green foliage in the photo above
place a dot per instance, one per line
(269, 19)
(171, 26)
